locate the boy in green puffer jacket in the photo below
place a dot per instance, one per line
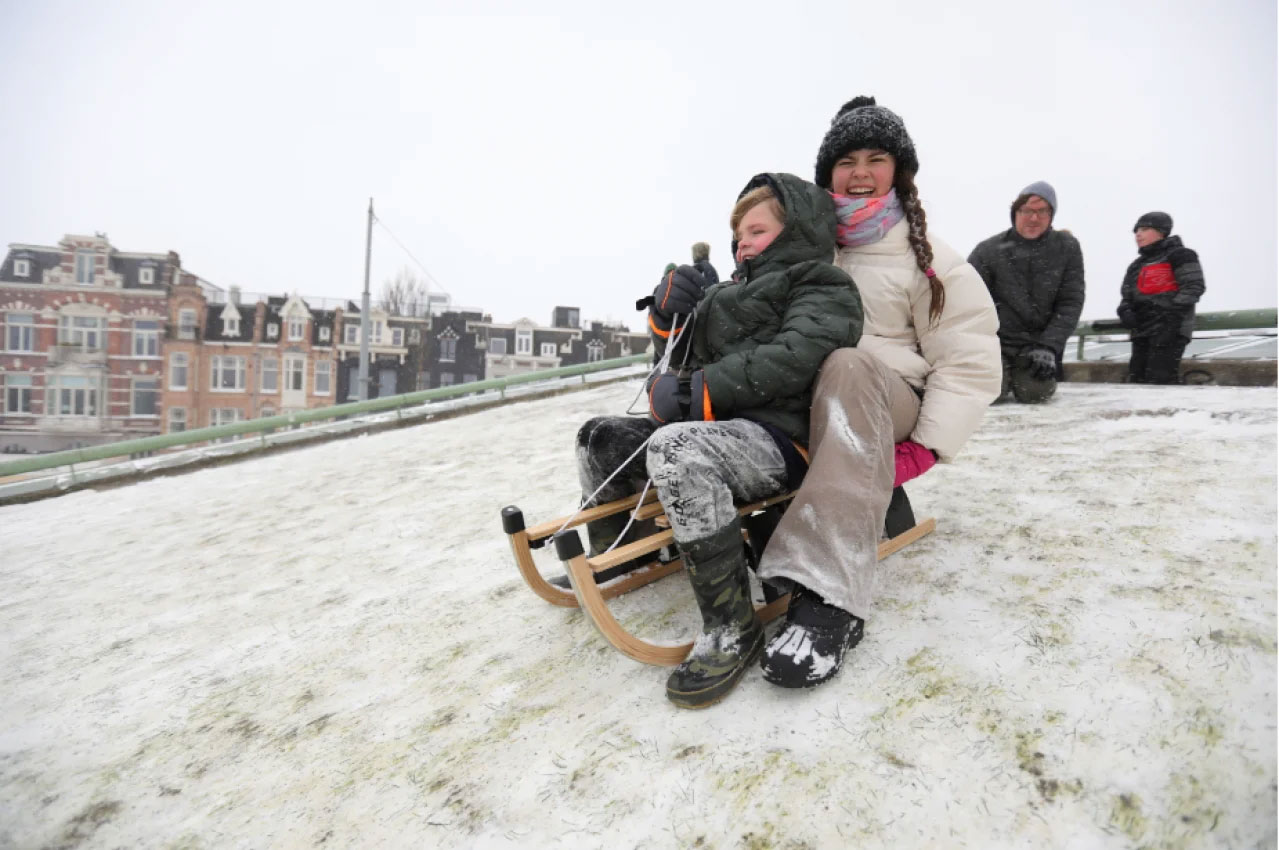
(732, 423)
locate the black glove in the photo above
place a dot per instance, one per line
(1041, 363)
(1128, 316)
(678, 292)
(669, 398)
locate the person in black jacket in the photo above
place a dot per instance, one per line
(1035, 275)
(702, 262)
(1158, 299)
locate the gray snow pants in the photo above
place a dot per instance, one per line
(829, 536)
(700, 469)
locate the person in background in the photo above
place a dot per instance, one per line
(1035, 275)
(1158, 297)
(702, 262)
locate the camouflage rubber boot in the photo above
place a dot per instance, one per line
(732, 635)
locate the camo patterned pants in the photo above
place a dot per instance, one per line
(700, 469)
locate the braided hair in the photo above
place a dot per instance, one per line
(917, 235)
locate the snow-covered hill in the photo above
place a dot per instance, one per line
(332, 647)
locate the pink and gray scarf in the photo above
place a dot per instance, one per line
(862, 221)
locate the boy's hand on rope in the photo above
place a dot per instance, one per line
(672, 398)
(678, 292)
(669, 398)
(911, 460)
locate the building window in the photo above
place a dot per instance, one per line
(146, 396)
(523, 342)
(21, 268)
(571, 315)
(228, 374)
(146, 275)
(224, 416)
(448, 349)
(84, 268)
(177, 419)
(352, 334)
(397, 337)
(375, 333)
(594, 351)
(267, 410)
(178, 362)
(231, 326)
(17, 394)
(548, 349)
(186, 324)
(415, 336)
(146, 339)
(272, 330)
(85, 332)
(270, 375)
(71, 395)
(423, 380)
(468, 379)
(297, 329)
(19, 332)
(497, 345)
(326, 333)
(323, 377)
(446, 379)
(294, 373)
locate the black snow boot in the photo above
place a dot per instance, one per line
(810, 646)
(732, 635)
(601, 534)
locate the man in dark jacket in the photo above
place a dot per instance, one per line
(1035, 275)
(702, 262)
(1158, 295)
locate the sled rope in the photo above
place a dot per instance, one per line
(662, 364)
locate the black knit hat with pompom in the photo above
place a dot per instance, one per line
(859, 124)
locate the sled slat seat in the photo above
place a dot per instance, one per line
(592, 597)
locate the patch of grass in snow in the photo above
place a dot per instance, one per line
(83, 825)
(1261, 643)
(1126, 815)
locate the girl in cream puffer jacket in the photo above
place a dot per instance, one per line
(912, 392)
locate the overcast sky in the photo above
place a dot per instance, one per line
(565, 158)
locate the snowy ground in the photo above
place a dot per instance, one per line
(332, 647)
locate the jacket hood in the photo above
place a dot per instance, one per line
(808, 226)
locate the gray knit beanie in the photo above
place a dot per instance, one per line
(1160, 221)
(1043, 189)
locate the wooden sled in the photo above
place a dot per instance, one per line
(900, 530)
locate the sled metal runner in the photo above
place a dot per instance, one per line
(593, 598)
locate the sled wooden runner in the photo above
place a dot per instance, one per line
(592, 597)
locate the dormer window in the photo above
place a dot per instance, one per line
(272, 330)
(22, 268)
(146, 275)
(84, 268)
(397, 337)
(352, 334)
(326, 334)
(297, 329)
(230, 320)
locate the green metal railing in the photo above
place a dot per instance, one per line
(269, 424)
(1226, 320)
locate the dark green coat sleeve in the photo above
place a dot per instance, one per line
(823, 312)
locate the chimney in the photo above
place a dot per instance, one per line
(233, 293)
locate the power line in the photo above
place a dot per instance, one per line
(424, 269)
